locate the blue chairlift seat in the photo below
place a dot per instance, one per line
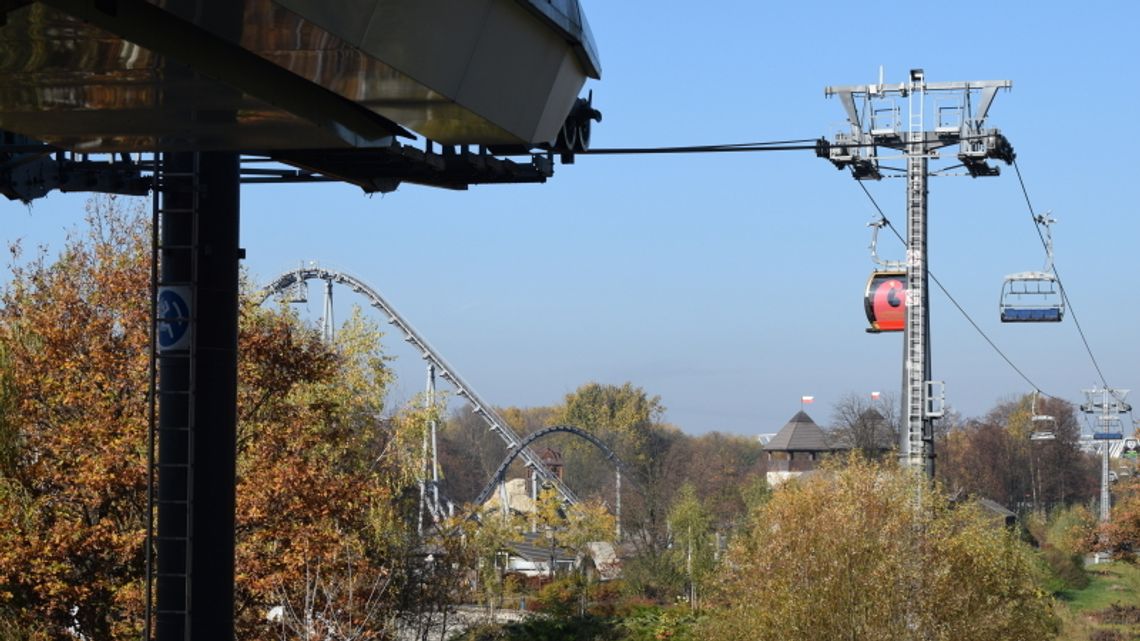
(1031, 315)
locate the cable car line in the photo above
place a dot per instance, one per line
(1060, 285)
(819, 145)
(952, 300)
(790, 145)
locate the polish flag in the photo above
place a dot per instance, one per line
(807, 399)
(874, 396)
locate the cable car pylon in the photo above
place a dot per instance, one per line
(876, 121)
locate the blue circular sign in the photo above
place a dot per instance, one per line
(173, 319)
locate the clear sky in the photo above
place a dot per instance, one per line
(730, 285)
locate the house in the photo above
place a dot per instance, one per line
(531, 555)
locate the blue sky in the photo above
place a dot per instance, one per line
(730, 285)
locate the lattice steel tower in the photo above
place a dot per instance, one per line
(1107, 404)
(875, 121)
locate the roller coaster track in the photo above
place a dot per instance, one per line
(497, 477)
(517, 447)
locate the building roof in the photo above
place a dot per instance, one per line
(534, 546)
(801, 434)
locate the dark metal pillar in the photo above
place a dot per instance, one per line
(197, 308)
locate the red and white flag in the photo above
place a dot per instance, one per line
(874, 396)
(806, 399)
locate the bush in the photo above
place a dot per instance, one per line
(1066, 571)
(1117, 614)
(559, 598)
(1107, 635)
(656, 623)
(1071, 529)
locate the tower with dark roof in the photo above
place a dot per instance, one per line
(796, 448)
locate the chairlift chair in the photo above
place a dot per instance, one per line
(1034, 297)
(1043, 424)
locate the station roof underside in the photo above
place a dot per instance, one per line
(328, 86)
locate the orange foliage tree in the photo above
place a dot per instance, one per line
(73, 487)
(1121, 534)
(323, 531)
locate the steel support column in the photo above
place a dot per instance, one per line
(917, 437)
(197, 308)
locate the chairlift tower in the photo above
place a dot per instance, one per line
(1107, 404)
(874, 117)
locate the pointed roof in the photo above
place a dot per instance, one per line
(801, 434)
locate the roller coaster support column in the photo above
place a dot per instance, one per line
(196, 352)
(533, 499)
(875, 122)
(617, 506)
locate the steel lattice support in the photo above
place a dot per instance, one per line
(1107, 404)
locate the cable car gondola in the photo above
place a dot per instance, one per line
(885, 298)
(1034, 297)
(885, 301)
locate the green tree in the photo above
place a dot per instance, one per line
(694, 542)
(622, 416)
(490, 539)
(868, 551)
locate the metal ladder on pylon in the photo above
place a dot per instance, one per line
(916, 242)
(170, 481)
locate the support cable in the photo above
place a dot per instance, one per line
(819, 145)
(1060, 285)
(946, 292)
(806, 144)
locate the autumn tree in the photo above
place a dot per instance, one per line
(573, 528)
(718, 466)
(325, 469)
(995, 457)
(627, 419)
(868, 551)
(469, 454)
(73, 372)
(1121, 535)
(325, 505)
(868, 425)
(694, 544)
(488, 539)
